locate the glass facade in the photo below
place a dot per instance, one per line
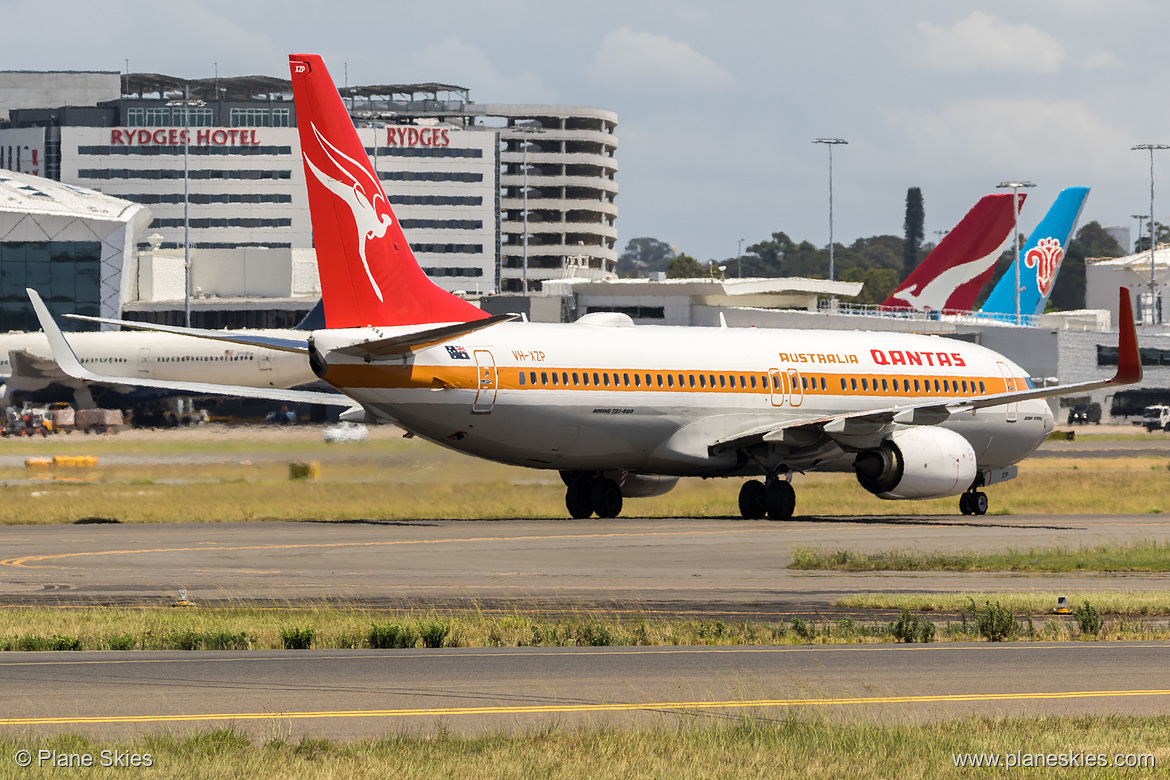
(67, 274)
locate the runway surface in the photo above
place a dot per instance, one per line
(722, 563)
(354, 694)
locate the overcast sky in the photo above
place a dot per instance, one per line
(718, 103)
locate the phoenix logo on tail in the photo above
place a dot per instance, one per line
(371, 221)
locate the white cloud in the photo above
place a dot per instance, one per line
(453, 61)
(1017, 138)
(636, 60)
(981, 42)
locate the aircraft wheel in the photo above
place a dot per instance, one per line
(979, 503)
(965, 504)
(753, 500)
(780, 500)
(579, 499)
(606, 498)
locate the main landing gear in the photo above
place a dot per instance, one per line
(587, 495)
(773, 498)
(973, 503)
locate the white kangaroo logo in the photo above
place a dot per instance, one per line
(371, 221)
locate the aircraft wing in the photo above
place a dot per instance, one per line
(26, 365)
(67, 360)
(254, 340)
(853, 427)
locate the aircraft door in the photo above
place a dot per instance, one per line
(487, 382)
(796, 392)
(776, 382)
(144, 361)
(1013, 384)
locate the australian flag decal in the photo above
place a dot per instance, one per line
(458, 353)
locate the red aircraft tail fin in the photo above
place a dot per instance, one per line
(369, 275)
(951, 276)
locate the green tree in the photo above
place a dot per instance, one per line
(1161, 236)
(1068, 293)
(683, 266)
(643, 256)
(878, 283)
(913, 229)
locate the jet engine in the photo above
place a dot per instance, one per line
(921, 462)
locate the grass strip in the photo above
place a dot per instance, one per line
(1123, 604)
(246, 628)
(1144, 555)
(746, 746)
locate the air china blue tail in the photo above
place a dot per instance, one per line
(1042, 255)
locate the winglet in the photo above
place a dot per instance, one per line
(63, 354)
(1129, 359)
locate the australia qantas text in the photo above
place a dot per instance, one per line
(623, 411)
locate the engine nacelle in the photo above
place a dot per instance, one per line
(643, 485)
(921, 462)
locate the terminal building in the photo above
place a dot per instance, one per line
(491, 197)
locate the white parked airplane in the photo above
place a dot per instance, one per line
(29, 372)
(624, 411)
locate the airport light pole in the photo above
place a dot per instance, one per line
(524, 167)
(739, 260)
(1153, 222)
(1141, 218)
(1016, 185)
(831, 142)
(186, 103)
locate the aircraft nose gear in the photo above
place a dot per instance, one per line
(973, 503)
(585, 496)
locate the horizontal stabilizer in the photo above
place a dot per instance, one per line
(413, 342)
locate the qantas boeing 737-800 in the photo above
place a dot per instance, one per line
(624, 411)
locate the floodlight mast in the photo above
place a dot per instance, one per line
(1016, 185)
(830, 142)
(1151, 148)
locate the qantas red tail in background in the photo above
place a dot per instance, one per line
(369, 276)
(952, 275)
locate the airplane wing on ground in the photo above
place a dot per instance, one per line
(253, 340)
(67, 360)
(849, 428)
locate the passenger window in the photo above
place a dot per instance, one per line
(637, 381)
(626, 377)
(804, 383)
(617, 379)
(865, 384)
(670, 380)
(964, 385)
(712, 376)
(885, 386)
(648, 380)
(532, 377)
(853, 383)
(946, 386)
(722, 381)
(842, 383)
(543, 378)
(585, 378)
(595, 382)
(753, 381)
(575, 381)
(521, 378)
(702, 381)
(606, 378)
(691, 379)
(659, 378)
(982, 391)
(554, 378)
(906, 385)
(916, 385)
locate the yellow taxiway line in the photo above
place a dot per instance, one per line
(578, 708)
